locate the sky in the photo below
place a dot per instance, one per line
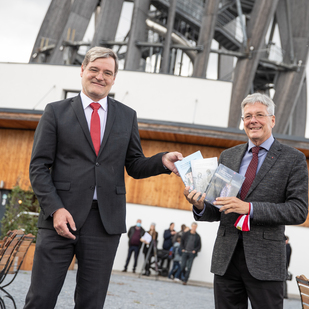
(20, 22)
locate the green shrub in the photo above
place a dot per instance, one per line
(21, 212)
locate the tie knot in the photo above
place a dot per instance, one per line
(95, 106)
(256, 149)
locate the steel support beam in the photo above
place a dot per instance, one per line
(50, 31)
(107, 21)
(75, 28)
(168, 37)
(298, 119)
(289, 84)
(138, 32)
(245, 69)
(206, 35)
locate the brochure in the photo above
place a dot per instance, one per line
(224, 183)
(147, 238)
(184, 168)
(202, 171)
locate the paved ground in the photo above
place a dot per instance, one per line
(129, 291)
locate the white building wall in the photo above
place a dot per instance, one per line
(208, 231)
(153, 96)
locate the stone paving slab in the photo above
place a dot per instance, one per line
(129, 291)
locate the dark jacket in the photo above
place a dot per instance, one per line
(131, 233)
(65, 169)
(279, 194)
(197, 242)
(168, 239)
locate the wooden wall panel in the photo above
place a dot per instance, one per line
(164, 190)
(15, 149)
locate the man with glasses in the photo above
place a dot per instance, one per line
(81, 147)
(250, 262)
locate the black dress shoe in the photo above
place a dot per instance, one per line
(124, 271)
(133, 271)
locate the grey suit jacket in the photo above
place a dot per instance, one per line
(64, 168)
(279, 195)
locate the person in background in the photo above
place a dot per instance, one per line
(288, 259)
(135, 233)
(167, 244)
(152, 245)
(183, 229)
(176, 268)
(168, 237)
(190, 245)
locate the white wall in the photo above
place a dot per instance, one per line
(153, 96)
(299, 265)
(201, 266)
(163, 217)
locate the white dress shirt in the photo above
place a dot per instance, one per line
(102, 111)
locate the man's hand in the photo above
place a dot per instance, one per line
(232, 204)
(195, 198)
(170, 158)
(61, 218)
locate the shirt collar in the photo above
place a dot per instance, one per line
(86, 101)
(266, 145)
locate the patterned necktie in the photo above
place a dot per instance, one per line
(250, 174)
(243, 221)
(95, 126)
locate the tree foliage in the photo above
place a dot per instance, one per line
(21, 212)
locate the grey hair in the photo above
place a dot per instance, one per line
(259, 98)
(100, 52)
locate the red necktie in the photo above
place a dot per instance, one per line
(243, 221)
(250, 174)
(95, 126)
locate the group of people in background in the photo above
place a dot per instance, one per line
(180, 247)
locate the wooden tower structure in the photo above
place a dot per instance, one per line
(260, 45)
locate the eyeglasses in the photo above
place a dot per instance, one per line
(257, 117)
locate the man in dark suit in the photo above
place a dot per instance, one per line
(252, 264)
(80, 149)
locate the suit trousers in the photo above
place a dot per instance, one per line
(95, 252)
(233, 289)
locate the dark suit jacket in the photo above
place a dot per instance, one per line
(279, 195)
(64, 168)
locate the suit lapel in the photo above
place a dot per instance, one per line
(111, 114)
(235, 161)
(80, 114)
(271, 158)
(236, 164)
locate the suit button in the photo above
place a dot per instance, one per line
(92, 187)
(97, 164)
